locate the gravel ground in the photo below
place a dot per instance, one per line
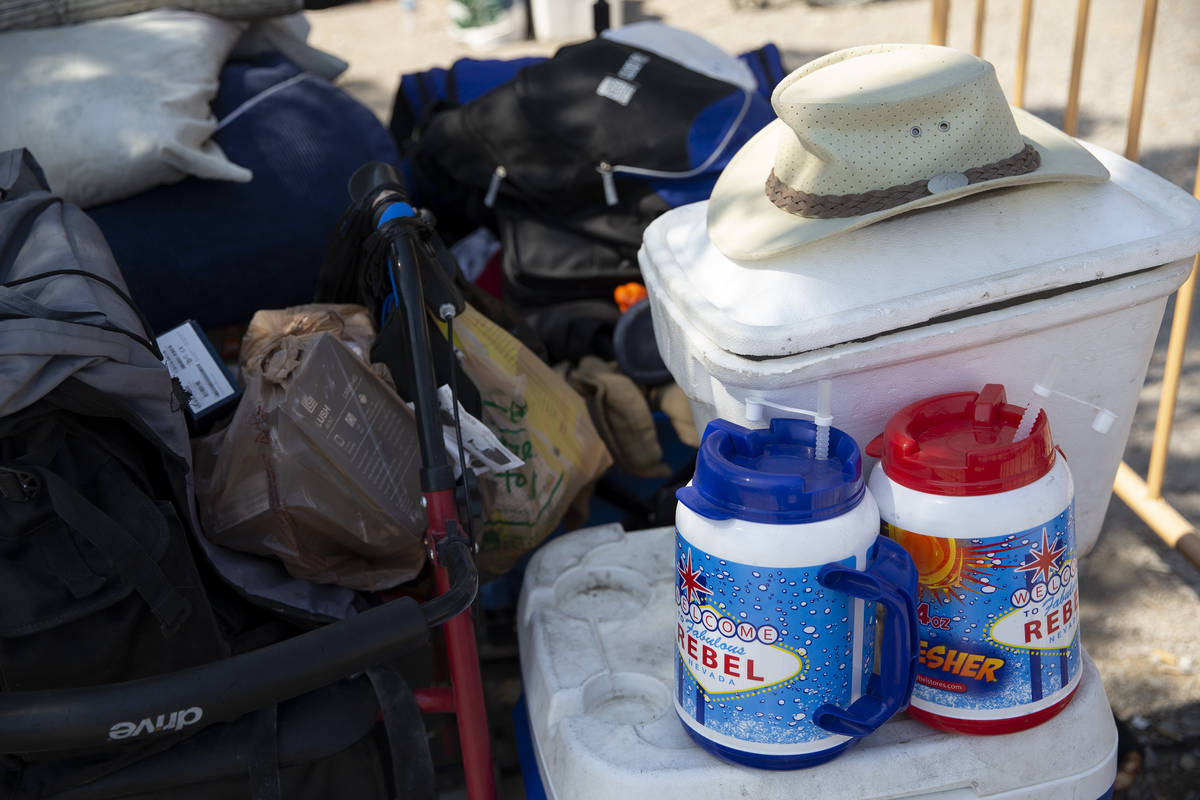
(1141, 601)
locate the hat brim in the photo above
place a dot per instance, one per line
(745, 225)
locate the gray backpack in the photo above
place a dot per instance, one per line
(98, 583)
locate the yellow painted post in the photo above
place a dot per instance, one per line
(1164, 520)
(1176, 346)
(1071, 116)
(1023, 53)
(1145, 497)
(1132, 142)
(980, 13)
(940, 23)
(1170, 391)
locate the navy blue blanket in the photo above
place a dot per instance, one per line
(216, 251)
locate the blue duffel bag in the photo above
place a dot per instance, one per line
(217, 251)
(569, 158)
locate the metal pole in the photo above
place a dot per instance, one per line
(1071, 117)
(474, 735)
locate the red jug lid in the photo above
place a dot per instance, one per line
(962, 444)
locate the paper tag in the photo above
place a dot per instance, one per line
(485, 453)
(190, 361)
(473, 251)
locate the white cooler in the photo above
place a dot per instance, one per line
(986, 289)
(596, 628)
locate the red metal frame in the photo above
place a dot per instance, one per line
(435, 700)
(465, 699)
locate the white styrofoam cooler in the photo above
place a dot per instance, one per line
(986, 289)
(595, 625)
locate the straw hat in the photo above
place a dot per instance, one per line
(871, 132)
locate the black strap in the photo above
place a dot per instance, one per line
(412, 764)
(17, 486)
(130, 557)
(263, 759)
(149, 343)
(61, 558)
(451, 97)
(424, 93)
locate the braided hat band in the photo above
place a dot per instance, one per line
(838, 206)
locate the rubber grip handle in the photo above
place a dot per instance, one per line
(891, 579)
(369, 177)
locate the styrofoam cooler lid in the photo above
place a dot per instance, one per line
(955, 258)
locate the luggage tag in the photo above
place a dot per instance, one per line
(206, 382)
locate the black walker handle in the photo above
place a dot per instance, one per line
(221, 691)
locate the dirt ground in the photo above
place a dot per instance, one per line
(1141, 601)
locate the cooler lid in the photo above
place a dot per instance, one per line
(958, 258)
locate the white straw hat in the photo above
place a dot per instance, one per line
(871, 132)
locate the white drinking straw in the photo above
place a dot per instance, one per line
(1042, 390)
(823, 416)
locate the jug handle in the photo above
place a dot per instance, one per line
(892, 580)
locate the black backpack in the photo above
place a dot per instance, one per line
(574, 156)
(97, 579)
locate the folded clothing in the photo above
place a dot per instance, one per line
(216, 251)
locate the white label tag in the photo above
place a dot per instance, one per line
(633, 65)
(485, 453)
(190, 362)
(617, 90)
(473, 251)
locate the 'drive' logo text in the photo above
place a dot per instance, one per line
(174, 721)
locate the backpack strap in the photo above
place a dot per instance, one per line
(74, 317)
(127, 554)
(263, 759)
(412, 764)
(62, 559)
(767, 65)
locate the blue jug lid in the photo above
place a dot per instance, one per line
(771, 475)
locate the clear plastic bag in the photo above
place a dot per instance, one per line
(319, 464)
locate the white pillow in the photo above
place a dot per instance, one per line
(114, 107)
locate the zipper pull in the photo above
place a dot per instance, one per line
(499, 175)
(610, 185)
